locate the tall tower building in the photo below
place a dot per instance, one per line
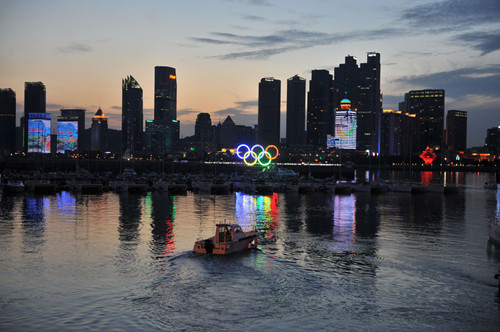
(269, 111)
(165, 94)
(78, 115)
(295, 111)
(7, 121)
(132, 133)
(320, 115)
(203, 128)
(34, 102)
(456, 130)
(428, 107)
(362, 86)
(99, 132)
(370, 104)
(165, 127)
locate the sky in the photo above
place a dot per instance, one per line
(81, 51)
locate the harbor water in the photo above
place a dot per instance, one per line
(393, 261)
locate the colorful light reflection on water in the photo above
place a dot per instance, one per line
(255, 211)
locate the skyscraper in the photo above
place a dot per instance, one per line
(7, 121)
(370, 104)
(456, 130)
(295, 111)
(428, 107)
(165, 126)
(320, 117)
(165, 94)
(34, 102)
(269, 111)
(131, 116)
(99, 132)
(79, 116)
(362, 86)
(203, 128)
(492, 140)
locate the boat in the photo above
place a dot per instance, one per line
(14, 186)
(490, 185)
(494, 231)
(228, 239)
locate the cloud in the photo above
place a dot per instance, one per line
(483, 41)
(463, 81)
(54, 106)
(116, 108)
(453, 13)
(187, 111)
(76, 48)
(265, 46)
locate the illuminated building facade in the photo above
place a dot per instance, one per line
(79, 116)
(269, 111)
(34, 102)
(428, 107)
(67, 135)
(345, 127)
(320, 117)
(456, 130)
(295, 111)
(7, 121)
(39, 133)
(132, 134)
(99, 132)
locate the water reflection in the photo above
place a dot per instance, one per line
(161, 208)
(129, 219)
(257, 211)
(33, 224)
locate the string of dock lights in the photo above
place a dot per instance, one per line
(257, 154)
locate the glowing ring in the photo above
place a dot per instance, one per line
(277, 151)
(254, 155)
(262, 154)
(238, 150)
(257, 153)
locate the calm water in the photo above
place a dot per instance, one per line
(121, 261)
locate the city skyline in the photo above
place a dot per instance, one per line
(222, 49)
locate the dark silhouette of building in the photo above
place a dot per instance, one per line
(165, 94)
(295, 111)
(79, 116)
(132, 133)
(369, 104)
(362, 86)
(269, 111)
(229, 135)
(34, 102)
(203, 131)
(428, 107)
(165, 128)
(99, 132)
(456, 130)
(493, 140)
(391, 133)
(320, 115)
(7, 121)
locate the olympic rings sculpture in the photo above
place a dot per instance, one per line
(257, 154)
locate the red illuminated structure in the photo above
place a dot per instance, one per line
(428, 156)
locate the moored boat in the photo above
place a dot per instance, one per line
(228, 239)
